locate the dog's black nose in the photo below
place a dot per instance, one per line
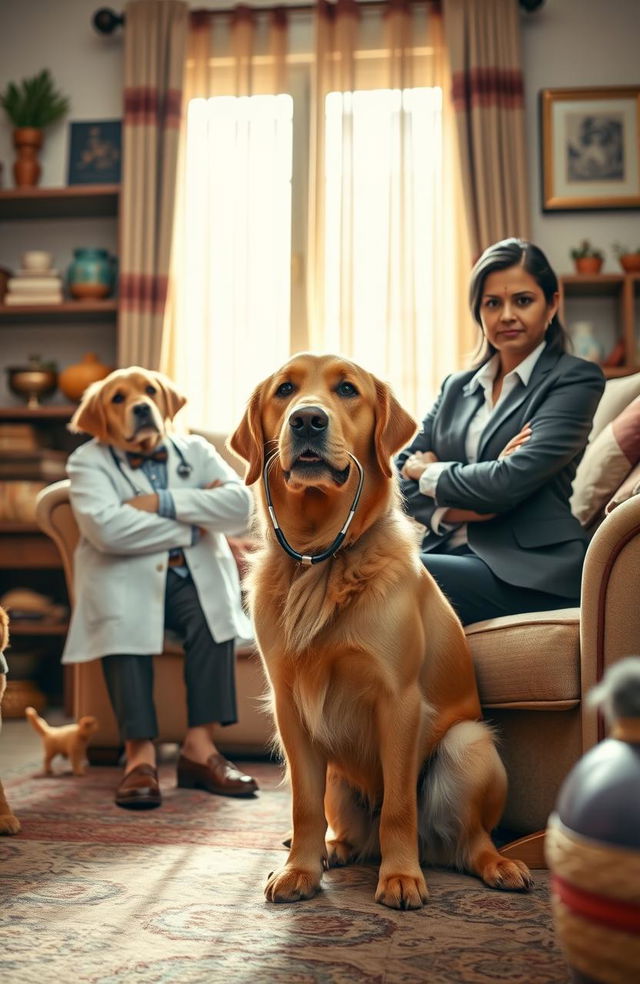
(142, 410)
(308, 422)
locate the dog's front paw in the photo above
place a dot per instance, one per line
(291, 885)
(402, 891)
(510, 876)
(9, 824)
(340, 853)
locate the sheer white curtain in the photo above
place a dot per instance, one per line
(230, 312)
(388, 253)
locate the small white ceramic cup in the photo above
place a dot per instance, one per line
(37, 260)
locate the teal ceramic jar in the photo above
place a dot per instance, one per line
(91, 275)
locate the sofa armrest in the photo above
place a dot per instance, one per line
(610, 611)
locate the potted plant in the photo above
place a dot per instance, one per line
(629, 259)
(31, 105)
(587, 258)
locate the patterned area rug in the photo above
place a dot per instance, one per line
(93, 893)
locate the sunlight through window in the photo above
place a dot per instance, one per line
(237, 263)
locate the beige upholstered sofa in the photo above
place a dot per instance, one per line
(533, 670)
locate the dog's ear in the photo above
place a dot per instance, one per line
(248, 439)
(91, 417)
(394, 426)
(174, 400)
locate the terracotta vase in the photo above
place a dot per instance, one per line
(26, 170)
(630, 262)
(588, 264)
(74, 380)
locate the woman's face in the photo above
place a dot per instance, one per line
(514, 314)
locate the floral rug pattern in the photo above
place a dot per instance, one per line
(92, 893)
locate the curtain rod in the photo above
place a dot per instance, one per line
(106, 20)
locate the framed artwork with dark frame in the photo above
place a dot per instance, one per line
(590, 145)
(95, 152)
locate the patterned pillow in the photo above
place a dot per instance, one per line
(606, 463)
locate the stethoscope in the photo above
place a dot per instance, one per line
(183, 470)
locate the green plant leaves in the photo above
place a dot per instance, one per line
(34, 102)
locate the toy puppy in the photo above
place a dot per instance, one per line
(69, 740)
(8, 823)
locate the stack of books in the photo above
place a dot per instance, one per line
(34, 287)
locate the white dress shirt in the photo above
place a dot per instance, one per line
(484, 377)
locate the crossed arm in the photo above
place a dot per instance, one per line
(418, 461)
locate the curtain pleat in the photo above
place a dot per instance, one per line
(483, 42)
(155, 40)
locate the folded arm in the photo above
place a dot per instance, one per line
(112, 526)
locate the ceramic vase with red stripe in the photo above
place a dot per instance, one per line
(593, 843)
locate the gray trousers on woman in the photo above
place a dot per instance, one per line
(209, 670)
(476, 593)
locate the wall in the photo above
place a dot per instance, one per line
(573, 43)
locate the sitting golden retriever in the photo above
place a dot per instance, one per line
(373, 688)
(8, 823)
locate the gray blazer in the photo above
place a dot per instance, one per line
(534, 541)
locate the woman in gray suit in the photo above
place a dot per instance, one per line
(489, 476)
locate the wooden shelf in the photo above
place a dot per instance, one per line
(23, 412)
(38, 627)
(73, 202)
(596, 283)
(66, 311)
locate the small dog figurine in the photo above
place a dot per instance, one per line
(69, 740)
(8, 823)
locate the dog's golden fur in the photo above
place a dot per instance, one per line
(68, 740)
(372, 683)
(9, 824)
(110, 409)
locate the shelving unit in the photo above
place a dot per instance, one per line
(53, 217)
(620, 294)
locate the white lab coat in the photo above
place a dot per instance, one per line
(121, 561)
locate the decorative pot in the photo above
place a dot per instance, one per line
(91, 274)
(73, 380)
(588, 264)
(630, 262)
(36, 379)
(592, 843)
(26, 170)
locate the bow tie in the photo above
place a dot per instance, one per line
(136, 459)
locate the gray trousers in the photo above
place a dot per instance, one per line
(476, 593)
(209, 670)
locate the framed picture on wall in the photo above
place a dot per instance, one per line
(590, 145)
(95, 152)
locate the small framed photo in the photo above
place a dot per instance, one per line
(590, 148)
(95, 152)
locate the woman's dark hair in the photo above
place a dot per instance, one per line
(501, 256)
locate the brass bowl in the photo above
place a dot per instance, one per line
(32, 383)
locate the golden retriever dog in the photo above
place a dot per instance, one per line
(372, 683)
(128, 409)
(8, 823)
(68, 740)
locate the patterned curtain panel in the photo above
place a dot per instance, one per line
(483, 42)
(155, 51)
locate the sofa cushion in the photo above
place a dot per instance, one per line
(618, 394)
(528, 661)
(629, 488)
(606, 463)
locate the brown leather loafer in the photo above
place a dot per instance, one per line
(139, 789)
(217, 776)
